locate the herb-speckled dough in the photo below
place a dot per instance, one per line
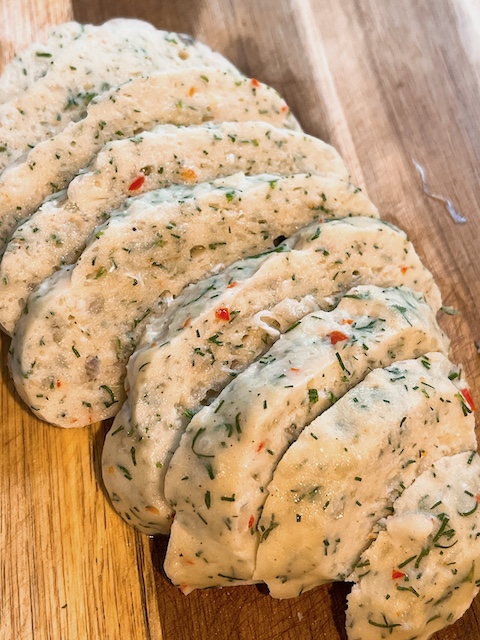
(261, 297)
(160, 242)
(181, 97)
(31, 64)
(343, 473)
(423, 570)
(57, 232)
(99, 58)
(218, 478)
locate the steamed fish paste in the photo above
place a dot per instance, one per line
(180, 97)
(99, 58)
(345, 470)
(423, 570)
(218, 478)
(250, 304)
(56, 234)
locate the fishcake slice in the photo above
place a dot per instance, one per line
(182, 359)
(33, 62)
(57, 233)
(344, 471)
(218, 478)
(181, 97)
(100, 58)
(423, 570)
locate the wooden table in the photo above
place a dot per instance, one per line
(386, 81)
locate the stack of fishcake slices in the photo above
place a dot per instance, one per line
(176, 253)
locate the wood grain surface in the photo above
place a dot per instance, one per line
(385, 81)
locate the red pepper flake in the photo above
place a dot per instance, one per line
(337, 336)
(192, 91)
(404, 270)
(137, 183)
(261, 446)
(59, 384)
(187, 323)
(251, 522)
(477, 498)
(188, 174)
(188, 561)
(232, 284)
(284, 109)
(347, 321)
(254, 82)
(468, 398)
(294, 370)
(396, 574)
(223, 314)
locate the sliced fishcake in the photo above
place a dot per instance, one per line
(218, 478)
(343, 473)
(100, 58)
(56, 234)
(33, 63)
(69, 352)
(182, 358)
(423, 570)
(181, 97)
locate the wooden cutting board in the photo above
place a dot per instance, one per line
(387, 82)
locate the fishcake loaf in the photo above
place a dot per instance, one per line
(218, 478)
(423, 570)
(100, 58)
(217, 327)
(57, 233)
(398, 421)
(30, 65)
(181, 97)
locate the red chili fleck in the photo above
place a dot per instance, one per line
(232, 284)
(404, 270)
(337, 336)
(294, 370)
(254, 82)
(59, 384)
(137, 183)
(223, 314)
(396, 574)
(477, 498)
(187, 323)
(188, 174)
(261, 446)
(284, 109)
(468, 398)
(347, 321)
(251, 522)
